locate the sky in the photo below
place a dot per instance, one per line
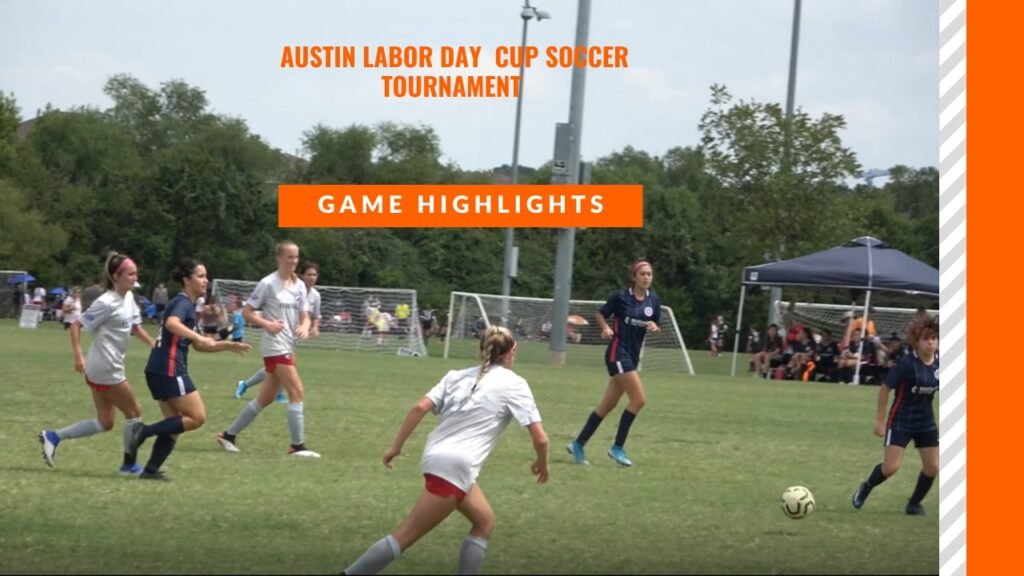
(873, 61)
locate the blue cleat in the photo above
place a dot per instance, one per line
(281, 398)
(861, 495)
(618, 453)
(133, 470)
(240, 389)
(576, 449)
(49, 440)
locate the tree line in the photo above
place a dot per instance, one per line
(160, 176)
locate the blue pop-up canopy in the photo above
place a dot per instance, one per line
(863, 263)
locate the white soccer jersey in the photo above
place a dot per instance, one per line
(76, 309)
(279, 302)
(314, 304)
(109, 319)
(471, 422)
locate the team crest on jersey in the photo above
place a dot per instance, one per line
(648, 311)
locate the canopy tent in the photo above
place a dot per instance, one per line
(863, 263)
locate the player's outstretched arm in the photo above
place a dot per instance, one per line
(883, 401)
(540, 446)
(139, 332)
(76, 345)
(606, 330)
(412, 420)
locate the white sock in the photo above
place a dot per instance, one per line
(249, 413)
(80, 429)
(295, 425)
(128, 431)
(471, 555)
(256, 379)
(376, 557)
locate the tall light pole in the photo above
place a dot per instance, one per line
(567, 236)
(528, 13)
(787, 152)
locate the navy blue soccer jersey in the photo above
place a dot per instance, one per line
(630, 322)
(170, 356)
(915, 385)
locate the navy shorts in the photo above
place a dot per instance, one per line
(922, 439)
(624, 363)
(164, 387)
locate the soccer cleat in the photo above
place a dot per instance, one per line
(132, 470)
(861, 495)
(281, 398)
(158, 475)
(228, 445)
(916, 509)
(49, 440)
(576, 449)
(618, 453)
(240, 389)
(136, 440)
(302, 451)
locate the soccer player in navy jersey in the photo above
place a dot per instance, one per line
(636, 311)
(167, 370)
(915, 380)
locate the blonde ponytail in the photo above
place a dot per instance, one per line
(495, 343)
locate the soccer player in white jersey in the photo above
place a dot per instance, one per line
(281, 297)
(309, 272)
(111, 319)
(475, 405)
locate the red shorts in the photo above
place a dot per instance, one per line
(440, 487)
(271, 362)
(101, 387)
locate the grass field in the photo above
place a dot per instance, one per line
(712, 455)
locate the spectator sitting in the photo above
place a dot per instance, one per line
(826, 356)
(770, 354)
(849, 359)
(802, 351)
(753, 346)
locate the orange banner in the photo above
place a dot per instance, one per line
(460, 206)
(993, 233)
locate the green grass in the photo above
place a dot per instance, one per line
(712, 456)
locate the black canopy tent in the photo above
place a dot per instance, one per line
(863, 263)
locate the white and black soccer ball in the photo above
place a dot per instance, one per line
(797, 502)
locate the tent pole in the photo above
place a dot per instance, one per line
(739, 323)
(863, 330)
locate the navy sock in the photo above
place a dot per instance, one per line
(624, 424)
(876, 477)
(924, 484)
(161, 450)
(128, 460)
(589, 428)
(165, 427)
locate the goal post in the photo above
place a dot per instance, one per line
(380, 320)
(530, 320)
(10, 294)
(888, 321)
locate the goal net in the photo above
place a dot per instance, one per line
(381, 320)
(10, 294)
(530, 320)
(888, 321)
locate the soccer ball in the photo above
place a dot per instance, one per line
(797, 502)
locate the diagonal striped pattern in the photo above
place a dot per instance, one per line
(953, 286)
